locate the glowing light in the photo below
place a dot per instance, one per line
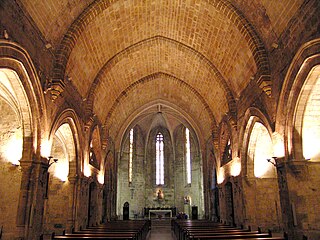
(188, 156)
(261, 166)
(60, 169)
(311, 139)
(101, 178)
(130, 155)
(235, 167)
(263, 152)
(220, 176)
(45, 149)
(278, 145)
(311, 116)
(13, 151)
(87, 171)
(262, 149)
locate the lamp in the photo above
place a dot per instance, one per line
(51, 161)
(273, 163)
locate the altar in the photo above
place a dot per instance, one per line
(160, 213)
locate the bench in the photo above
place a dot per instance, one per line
(206, 230)
(118, 230)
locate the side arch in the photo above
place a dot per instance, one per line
(26, 98)
(69, 116)
(304, 61)
(16, 58)
(251, 116)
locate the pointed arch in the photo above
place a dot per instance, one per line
(306, 58)
(70, 117)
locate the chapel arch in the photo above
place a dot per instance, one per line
(23, 105)
(296, 98)
(261, 190)
(306, 131)
(298, 121)
(12, 136)
(254, 151)
(62, 174)
(260, 148)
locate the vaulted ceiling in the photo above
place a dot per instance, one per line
(196, 56)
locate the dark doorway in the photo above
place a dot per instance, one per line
(91, 204)
(229, 203)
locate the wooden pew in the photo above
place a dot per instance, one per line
(94, 237)
(118, 230)
(180, 227)
(201, 230)
(229, 236)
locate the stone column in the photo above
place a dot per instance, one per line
(285, 198)
(22, 215)
(72, 203)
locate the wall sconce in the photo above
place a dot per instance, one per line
(274, 162)
(51, 161)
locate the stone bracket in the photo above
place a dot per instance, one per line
(264, 82)
(56, 87)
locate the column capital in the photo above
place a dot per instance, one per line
(26, 165)
(73, 179)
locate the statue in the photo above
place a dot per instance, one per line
(160, 194)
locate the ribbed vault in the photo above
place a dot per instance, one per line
(214, 28)
(121, 55)
(144, 92)
(146, 58)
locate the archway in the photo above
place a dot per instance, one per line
(21, 91)
(261, 185)
(305, 163)
(159, 142)
(60, 189)
(12, 123)
(298, 121)
(307, 118)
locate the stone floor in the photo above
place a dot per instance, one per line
(161, 234)
(161, 230)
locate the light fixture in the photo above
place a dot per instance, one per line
(274, 163)
(51, 161)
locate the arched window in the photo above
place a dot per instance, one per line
(188, 156)
(159, 159)
(130, 155)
